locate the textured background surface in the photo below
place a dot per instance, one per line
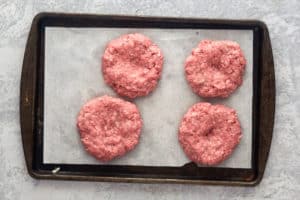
(282, 177)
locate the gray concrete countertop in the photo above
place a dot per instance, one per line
(282, 176)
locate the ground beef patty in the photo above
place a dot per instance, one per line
(209, 133)
(109, 127)
(132, 65)
(215, 68)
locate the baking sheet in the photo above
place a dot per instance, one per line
(73, 76)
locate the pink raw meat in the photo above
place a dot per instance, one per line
(215, 68)
(209, 133)
(109, 127)
(132, 65)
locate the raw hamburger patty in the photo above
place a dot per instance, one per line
(109, 127)
(215, 68)
(209, 133)
(132, 65)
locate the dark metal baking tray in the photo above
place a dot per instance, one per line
(32, 99)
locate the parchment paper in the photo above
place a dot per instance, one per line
(73, 76)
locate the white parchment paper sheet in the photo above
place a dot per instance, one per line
(73, 76)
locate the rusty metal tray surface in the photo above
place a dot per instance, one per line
(32, 101)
